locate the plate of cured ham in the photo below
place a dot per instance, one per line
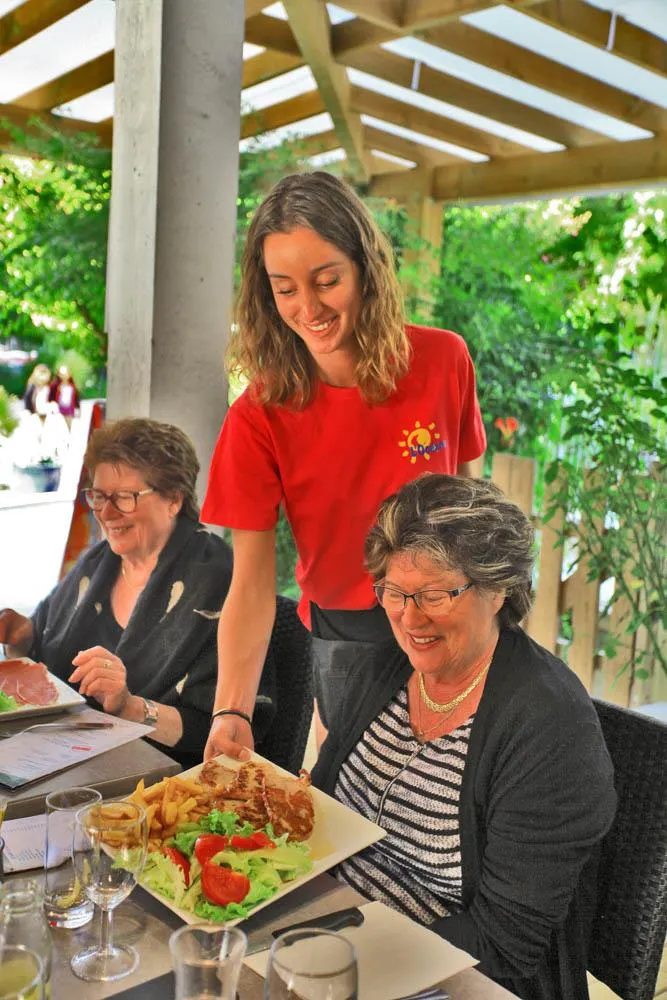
(34, 690)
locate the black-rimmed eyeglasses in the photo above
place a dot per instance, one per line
(125, 501)
(426, 600)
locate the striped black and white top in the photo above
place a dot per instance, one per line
(412, 790)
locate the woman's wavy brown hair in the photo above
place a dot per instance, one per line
(459, 524)
(162, 453)
(264, 349)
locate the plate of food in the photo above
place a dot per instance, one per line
(226, 838)
(27, 688)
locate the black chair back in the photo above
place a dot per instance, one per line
(285, 742)
(628, 933)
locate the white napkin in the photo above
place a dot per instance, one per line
(396, 956)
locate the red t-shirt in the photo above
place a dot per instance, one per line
(332, 463)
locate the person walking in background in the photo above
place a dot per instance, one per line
(38, 391)
(64, 392)
(345, 404)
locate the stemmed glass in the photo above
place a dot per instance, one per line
(108, 852)
(311, 965)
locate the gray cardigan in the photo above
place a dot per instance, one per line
(537, 797)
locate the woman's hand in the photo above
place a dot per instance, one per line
(101, 675)
(230, 735)
(15, 630)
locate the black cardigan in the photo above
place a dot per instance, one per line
(537, 796)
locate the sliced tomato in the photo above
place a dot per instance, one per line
(179, 859)
(251, 843)
(208, 844)
(222, 886)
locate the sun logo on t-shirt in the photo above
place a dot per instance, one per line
(420, 441)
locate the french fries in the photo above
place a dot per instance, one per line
(169, 804)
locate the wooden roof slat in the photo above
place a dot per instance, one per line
(359, 34)
(311, 27)
(271, 33)
(253, 7)
(396, 69)
(378, 166)
(266, 66)
(82, 80)
(30, 18)
(384, 13)
(421, 14)
(367, 102)
(530, 67)
(285, 113)
(590, 168)
(26, 119)
(592, 25)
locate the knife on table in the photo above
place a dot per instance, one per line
(351, 917)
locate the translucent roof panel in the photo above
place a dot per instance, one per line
(86, 33)
(651, 15)
(391, 158)
(451, 111)
(336, 14)
(324, 159)
(532, 34)
(7, 5)
(281, 88)
(424, 140)
(299, 130)
(517, 90)
(96, 106)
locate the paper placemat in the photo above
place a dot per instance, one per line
(36, 754)
(24, 843)
(419, 957)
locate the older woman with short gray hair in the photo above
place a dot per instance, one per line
(478, 751)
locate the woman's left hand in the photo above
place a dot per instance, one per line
(101, 675)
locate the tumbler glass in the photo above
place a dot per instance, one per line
(65, 902)
(207, 961)
(311, 965)
(20, 974)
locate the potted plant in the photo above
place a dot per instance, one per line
(38, 448)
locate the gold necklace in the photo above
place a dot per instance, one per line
(451, 705)
(132, 586)
(422, 733)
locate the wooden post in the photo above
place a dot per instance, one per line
(615, 686)
(173, 211)
(421, 263)
(515, 476)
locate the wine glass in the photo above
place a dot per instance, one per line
(311, 965)
(108, 852)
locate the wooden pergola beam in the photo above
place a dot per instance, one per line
(611, 167)
(530, 67)
(34, 123)
(272, 34)
(30, 18)
(82, 80)
(383, 13)
(266, 66)
(593, 25)
(367, 102)
(285, 113)
(396, 69)
(253, 7)
(396, 145)
(420, 14)
(311, 28)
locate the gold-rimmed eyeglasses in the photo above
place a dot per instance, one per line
(125, 501)
(426, 600)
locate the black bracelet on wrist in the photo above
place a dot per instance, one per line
(232, 711)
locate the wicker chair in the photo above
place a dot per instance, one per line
(631, 920)
(285, 742)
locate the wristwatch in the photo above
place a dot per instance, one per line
(151, 712)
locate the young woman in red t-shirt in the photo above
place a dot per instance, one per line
(345, 404)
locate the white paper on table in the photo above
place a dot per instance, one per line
(35, 754)
(25, 841)
(396, 955)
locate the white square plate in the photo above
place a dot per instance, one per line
(67, 698)
(338, 833)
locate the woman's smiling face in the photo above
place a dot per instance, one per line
(317, 291)
(440, 643)
(145, 531)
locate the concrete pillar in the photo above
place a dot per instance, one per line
(173, 211)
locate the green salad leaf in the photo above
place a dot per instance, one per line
(7, 703)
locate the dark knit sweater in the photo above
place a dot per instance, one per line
(537, 796)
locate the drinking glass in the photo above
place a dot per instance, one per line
(20, 974)
(65, 904)
(311, 965)
(108, 852)
(207, 961)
